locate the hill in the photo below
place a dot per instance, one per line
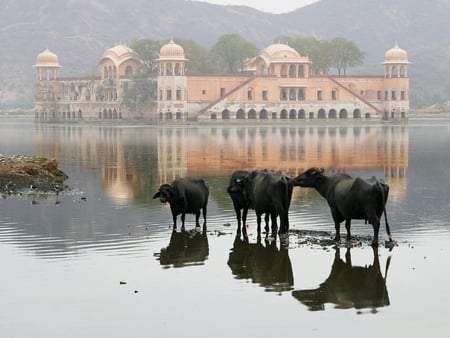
(79, 31)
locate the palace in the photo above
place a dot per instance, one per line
(276, 85)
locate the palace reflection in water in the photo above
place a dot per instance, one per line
(134, 160)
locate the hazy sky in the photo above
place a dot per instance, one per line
(274, 6)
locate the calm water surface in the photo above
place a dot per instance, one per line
(103, 260)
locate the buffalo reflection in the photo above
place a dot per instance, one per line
(265, 265)
(185, 248)
(349, 286)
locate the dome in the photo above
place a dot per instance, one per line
(171, 51)
(396, 55)
(47, 59)
(119, 54)
(277, 50)
(281, 53)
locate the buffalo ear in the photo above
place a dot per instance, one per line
(157, 195)
(322, 170)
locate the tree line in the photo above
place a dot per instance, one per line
(230, 52)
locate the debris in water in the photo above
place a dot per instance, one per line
(390, 244)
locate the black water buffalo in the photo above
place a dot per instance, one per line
(349, 286)
(239, 191)
(271, 193)
(185, 196)
(266, 191)
(349, 198)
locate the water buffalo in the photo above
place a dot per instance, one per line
(349, 198)
(349, 286)
(185, 196)
(239, 192)
(271, 193)
(266, 191)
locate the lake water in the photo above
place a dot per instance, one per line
(103, 260)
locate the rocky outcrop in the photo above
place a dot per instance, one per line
(22, 174)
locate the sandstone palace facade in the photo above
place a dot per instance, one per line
(277, 85)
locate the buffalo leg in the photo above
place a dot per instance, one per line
(337, 226)
(266, 219)
(183, 216)
(274, 223)
(238, 217)
(376, 230)
(284, 223)
(197, 218)
(244, 217)
(388, 229)
(174, 221)
(348, 223)
(204, 216)
(258, 222)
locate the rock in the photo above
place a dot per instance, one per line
(20, 174)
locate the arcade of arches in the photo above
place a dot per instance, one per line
(106, 114)
(291, 114)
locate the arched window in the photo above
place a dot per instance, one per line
(332, 114)
(301, 71)
(225, 114)
(321, 114)
(283, 114)
(177, 69)
(169, 69)
(263, 114)
(292, 114)
(301, 94)
(283, 71)
(292, 94)
(252, 114)
(343, 114)
(240, 114)
(292, 71)
(301, 114)
(128, 70)
(357, 114)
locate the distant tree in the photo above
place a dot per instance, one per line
(318, 52)
(345, 53)
(141, 93)
(339, 53)
(197, 55)
(230, 52)
(148, 50)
